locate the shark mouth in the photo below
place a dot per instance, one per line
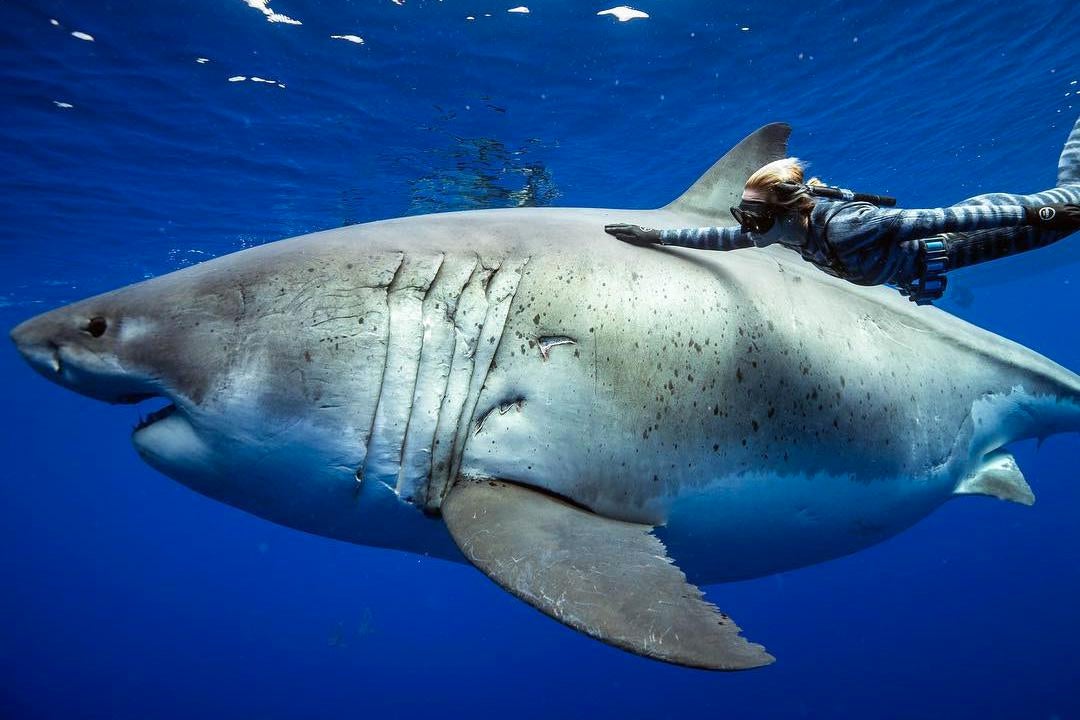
(160, 414)
(146, 421)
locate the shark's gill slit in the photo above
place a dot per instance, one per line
(425, 335)
(403, 351)
(499, 291)
(439, 309)
(383, 343)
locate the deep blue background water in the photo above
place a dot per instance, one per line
(124, 595)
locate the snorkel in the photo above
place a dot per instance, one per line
(835, 193)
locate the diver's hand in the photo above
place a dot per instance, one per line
(1054, 217)
(633, 234)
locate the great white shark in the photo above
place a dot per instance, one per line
(600, 428)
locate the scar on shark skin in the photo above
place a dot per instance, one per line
(549, 341)
(503, 408)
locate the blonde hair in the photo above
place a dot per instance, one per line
(788, 170)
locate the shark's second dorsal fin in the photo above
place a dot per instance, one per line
(721, 186)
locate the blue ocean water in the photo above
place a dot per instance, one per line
(130, 149)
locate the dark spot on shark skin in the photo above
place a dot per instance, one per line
(307, 356)
(536, 319)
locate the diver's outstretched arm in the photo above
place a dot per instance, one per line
(702, 238)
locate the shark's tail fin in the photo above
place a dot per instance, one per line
(1069, 162)
(1041, 405)
(1022, 415)
(1044, 400)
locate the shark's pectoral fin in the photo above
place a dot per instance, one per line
(999, 477)
(609, 579)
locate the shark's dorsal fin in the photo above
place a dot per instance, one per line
(721, 186)
(999, 477)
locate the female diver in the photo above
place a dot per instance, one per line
(866, 244)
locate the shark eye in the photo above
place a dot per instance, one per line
(97, 326)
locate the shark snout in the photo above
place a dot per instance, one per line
(36, 344)
(78, 353)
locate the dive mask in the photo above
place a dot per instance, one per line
(754, 216)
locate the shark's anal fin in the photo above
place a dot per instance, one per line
(998, 477)
(609, 579)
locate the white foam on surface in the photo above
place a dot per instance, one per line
(624, 13)
(54, 22)
(202, 61)
(349, 38)
(263, 6)
(256, 79)
(519, 9)
(82, 36)
(64, 105)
